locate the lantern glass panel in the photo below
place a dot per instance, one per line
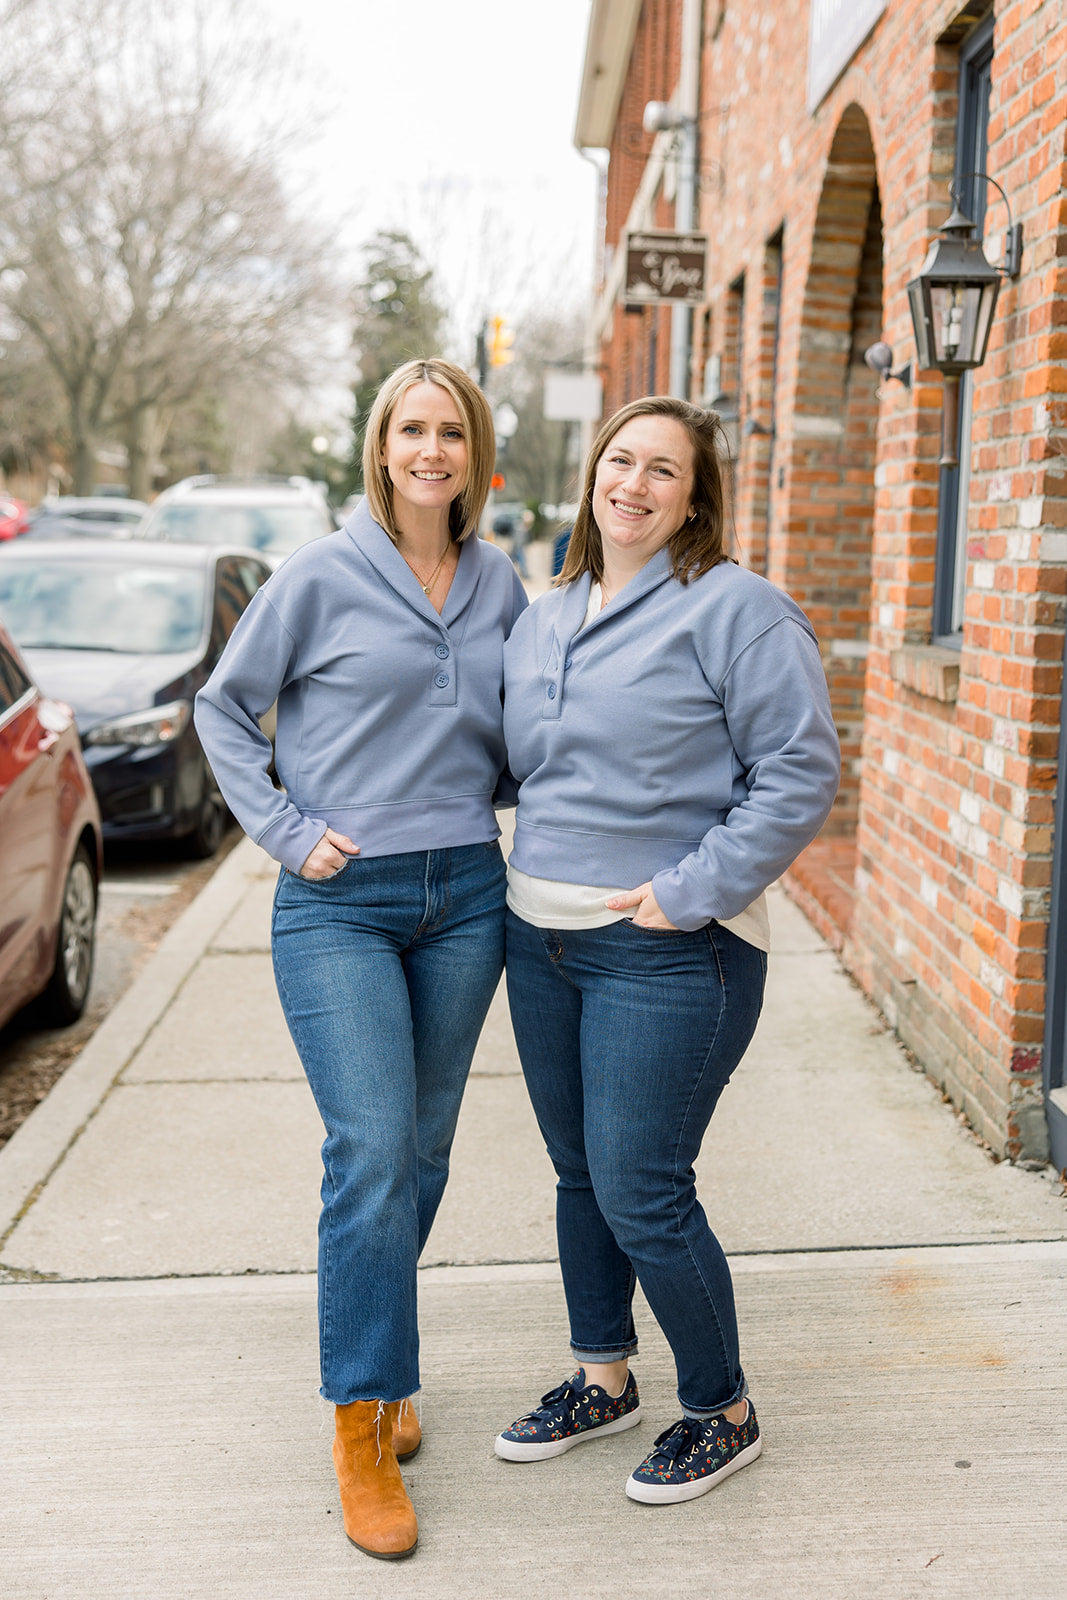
(920, 324)
(955, 308)
(985, 318)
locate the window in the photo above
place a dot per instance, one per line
(231, 597)
(14, 683)
(252, 577)
(976, 57)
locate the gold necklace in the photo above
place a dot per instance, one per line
(432, 579)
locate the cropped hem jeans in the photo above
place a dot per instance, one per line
(627, 1038)
(385, 972)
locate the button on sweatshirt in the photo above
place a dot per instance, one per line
(683, 736)
(389, 716)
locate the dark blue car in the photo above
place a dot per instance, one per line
(126, 634)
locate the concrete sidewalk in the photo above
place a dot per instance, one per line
(901, 1301)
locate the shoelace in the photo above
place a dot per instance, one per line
(566, 1395)
(680, 1440)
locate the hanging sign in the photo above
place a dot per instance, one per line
(665, 268)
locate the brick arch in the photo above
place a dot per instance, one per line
(850, 182)
(831, 459)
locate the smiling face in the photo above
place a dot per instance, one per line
(425, 450)
(643, 489)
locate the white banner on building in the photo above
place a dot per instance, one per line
(838, 28)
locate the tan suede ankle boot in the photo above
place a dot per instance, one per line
(407, 1435)
(379, 1517)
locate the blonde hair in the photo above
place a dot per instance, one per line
(699, 543)
(465, 512)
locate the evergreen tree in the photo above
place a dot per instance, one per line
(397, 319)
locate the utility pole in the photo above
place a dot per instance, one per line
(481, 353)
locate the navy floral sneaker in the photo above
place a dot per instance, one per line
(693, 1456)
(568, 1416)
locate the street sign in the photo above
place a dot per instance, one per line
(665, 268)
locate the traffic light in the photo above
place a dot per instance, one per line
(500, 342)
(498, 482)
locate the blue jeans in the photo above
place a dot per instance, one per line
(385, 973)
(627, 1038)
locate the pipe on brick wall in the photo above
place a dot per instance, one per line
(688, 102)
(950, 419)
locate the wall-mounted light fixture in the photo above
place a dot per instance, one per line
(663, 116)
(660, 116)
(879, 357)
(952, 302)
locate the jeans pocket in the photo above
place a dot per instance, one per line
(331, 877)
(660, 933)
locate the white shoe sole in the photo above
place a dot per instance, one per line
(658, 1494)
(512, 1450)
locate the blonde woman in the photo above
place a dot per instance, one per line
(383, 645)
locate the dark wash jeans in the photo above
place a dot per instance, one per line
(385, 973)
(627, 1038)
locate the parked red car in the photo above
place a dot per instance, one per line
(51, 851)
(14, 517)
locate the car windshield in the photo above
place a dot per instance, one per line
(82, 605)
(274, 530)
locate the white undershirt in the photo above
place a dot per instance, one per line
(546, 903)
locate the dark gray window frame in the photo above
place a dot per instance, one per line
(1055, 1052)
(976, 56)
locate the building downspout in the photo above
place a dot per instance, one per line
(685, 205)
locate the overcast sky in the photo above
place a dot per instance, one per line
(455, 122)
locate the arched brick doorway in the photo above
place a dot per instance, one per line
(824, 560)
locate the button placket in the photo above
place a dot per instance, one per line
(552, 678)
(443, 676)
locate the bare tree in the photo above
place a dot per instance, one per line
(31, 407)
(146, 243)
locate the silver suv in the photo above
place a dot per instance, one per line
(270, 515)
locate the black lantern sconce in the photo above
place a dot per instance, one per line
(952, 302)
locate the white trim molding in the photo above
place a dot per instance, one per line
(608, 47)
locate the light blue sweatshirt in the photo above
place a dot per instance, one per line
(684, 736)
(389, 716)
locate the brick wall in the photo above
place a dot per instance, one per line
(817, 222)
(640, 340)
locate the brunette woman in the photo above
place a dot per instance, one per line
(667, 718)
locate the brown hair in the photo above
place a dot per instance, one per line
(464, 514)
(699, 543)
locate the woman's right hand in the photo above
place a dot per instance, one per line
(328, 857)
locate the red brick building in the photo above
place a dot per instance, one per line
(815, 144)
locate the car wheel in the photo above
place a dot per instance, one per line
(63, 1001)
(211, 821)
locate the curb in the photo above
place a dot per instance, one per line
(36, 1148)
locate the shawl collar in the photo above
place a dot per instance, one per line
(371, 539)
(575, 602)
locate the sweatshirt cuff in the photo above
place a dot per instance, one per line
(292, 838)
(676, 902)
